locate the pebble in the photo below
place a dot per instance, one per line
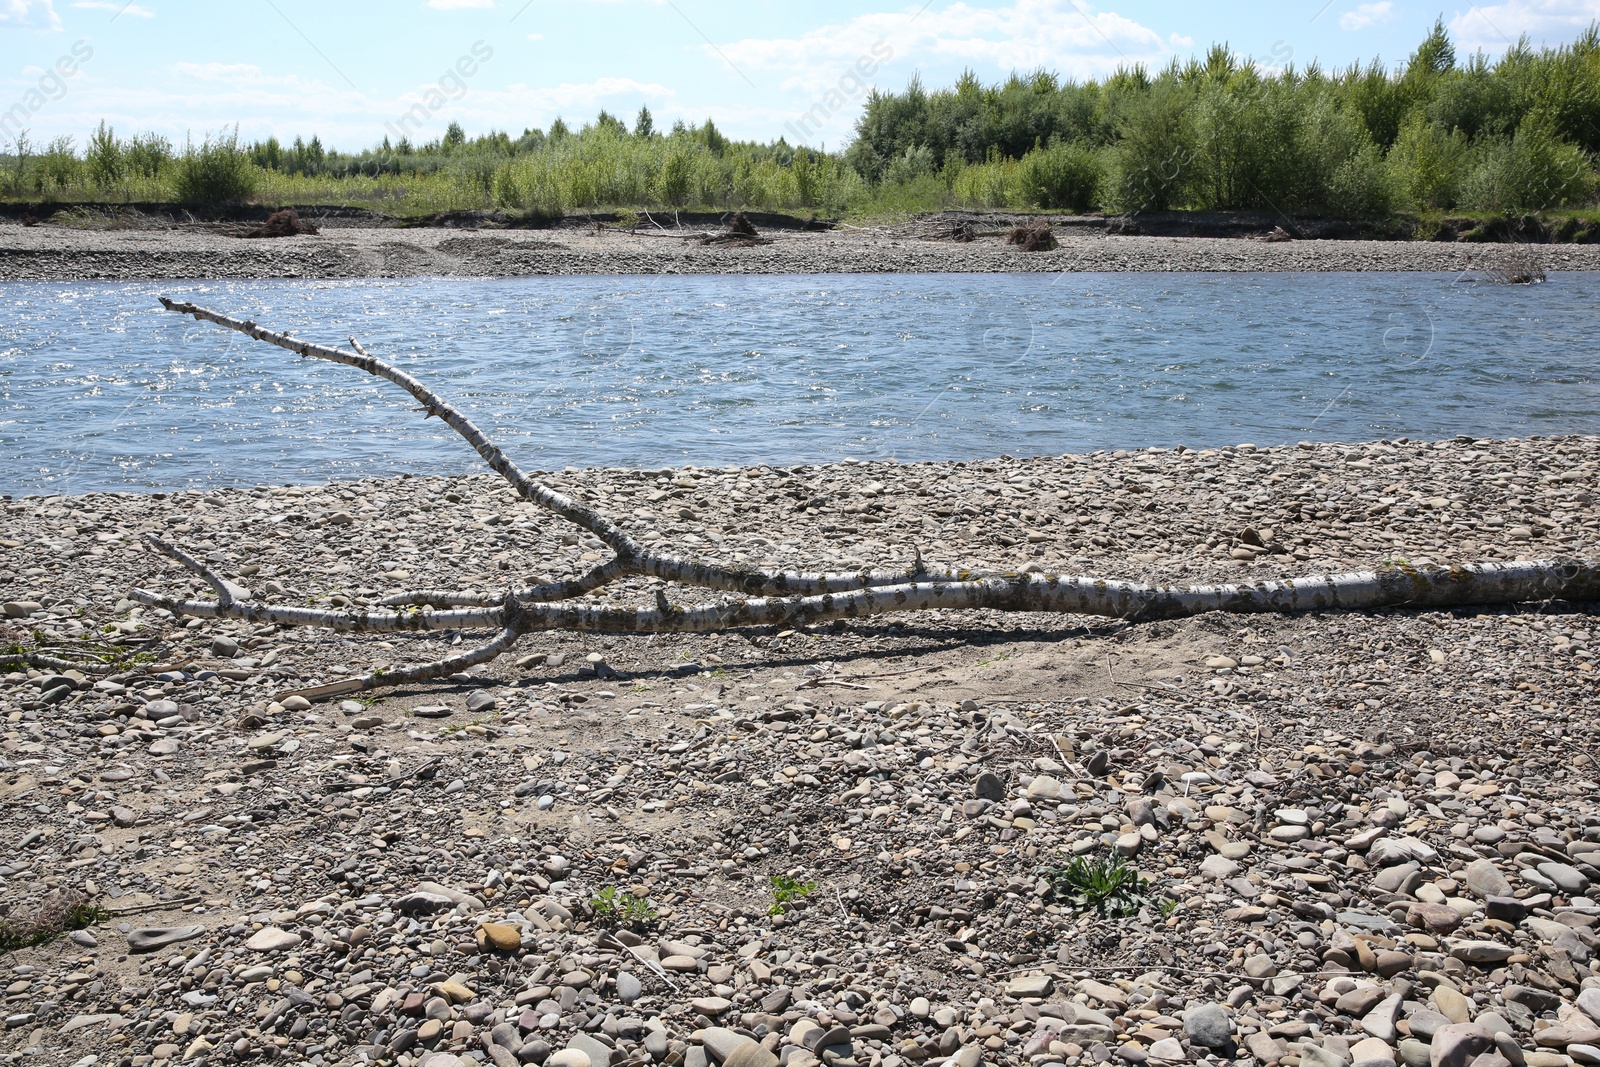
(1319, 852)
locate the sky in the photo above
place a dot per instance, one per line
(351, 72)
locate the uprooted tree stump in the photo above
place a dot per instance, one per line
(285, 223)
(1034, 237)
(769, 597)
(741, 233)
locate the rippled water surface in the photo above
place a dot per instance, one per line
(102, 390)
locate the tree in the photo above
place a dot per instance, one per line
(1435, 55)
(766, 597)
(644, 125)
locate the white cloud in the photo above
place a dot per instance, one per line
(1062, 35)
(1366, 15)
(456, 5)
(116, 9)
(236, 73)
(29, 15)
(535, 36)
(1496, 27)
(208, 97)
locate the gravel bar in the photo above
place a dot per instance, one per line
(1366, 839)
(60, 253)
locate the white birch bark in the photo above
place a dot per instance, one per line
(791, 597)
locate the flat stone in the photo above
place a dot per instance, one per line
(1030, 985)
(988, 786)
(1044, 787)
(1452, 1004)
(423, 903)
(272, 939)
(712, 1006)
(1485, 880)
(150, 938)
(1506, 909)
(1458, 1044)
(598, 1053)
(1414, 1053)
(568, 1057)
(1388, 851)
(1435, 918)
(1425, 1023)
(1316, 1056)
(1380, 1021)
(1480, 952)
(1371, 1050)
(1570, 880)
(499, 937)
(733, 1049)
(1168, 1050)
(1563, 1036)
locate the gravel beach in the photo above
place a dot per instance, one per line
(63, 253)
(1369, 839)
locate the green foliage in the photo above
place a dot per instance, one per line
(104, 157)
(1428, 165)
(1534, 170)
(1061, 176)
(787, 892)
(617, 908)
(1441, 133)
(1107, 886)
(1153, 163)
(216, 171)
(57, 168)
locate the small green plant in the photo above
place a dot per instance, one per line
(614, 907)
(1105, 885)
(787, 892)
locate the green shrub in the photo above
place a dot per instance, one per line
(916, 162)
(1247, 136)
(1153, 165)
(146, 155)
(1428, 165)
(1342, 172)
(58, 168)
(1534, 170)
(104, 157)
(1061, 176)
(215, 172)
(994, 183)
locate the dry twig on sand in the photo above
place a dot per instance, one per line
(771, 597)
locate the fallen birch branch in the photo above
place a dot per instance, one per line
(791, 598)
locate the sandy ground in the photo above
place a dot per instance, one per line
(61, 253)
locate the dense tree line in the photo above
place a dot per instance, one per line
(1439, 133)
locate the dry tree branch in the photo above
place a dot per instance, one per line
(788, 597)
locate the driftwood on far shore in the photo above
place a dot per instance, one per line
(775, 597)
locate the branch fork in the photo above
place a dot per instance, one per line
(767, 597)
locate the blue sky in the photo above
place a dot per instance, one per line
(347, 70)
